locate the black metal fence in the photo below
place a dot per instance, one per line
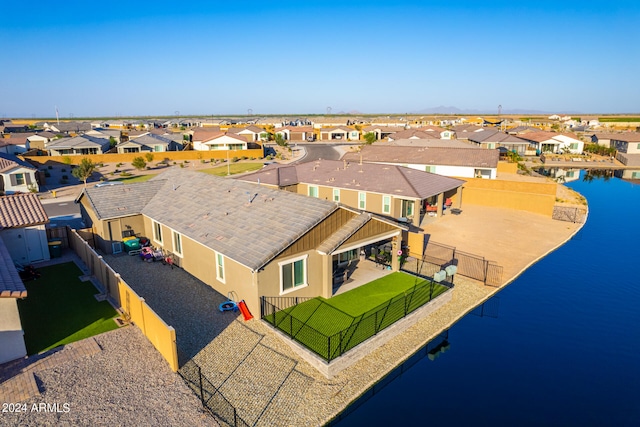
(437, 256)
(569, 214)
(212, 399)
(296, 321)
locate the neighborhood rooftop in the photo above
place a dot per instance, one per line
(384, 179)
(21, 210)
(114, 201)
(472, 157)
(11, 285)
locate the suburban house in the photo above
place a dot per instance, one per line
(105, 133)
(381, 132)
(16, 175)
(78, 145)
(339, 133)
(603, 138)
(492, 138)
(237, 236)
(249, 133)
(447, 161)
(393, 191)
(628, 142)
(40, 140)
(463, 131)
(430, 142)
(147, 143)
(544, 141)
(15, 143)
(69, 128)
(22, 228)
(215, 139)
(297, 133)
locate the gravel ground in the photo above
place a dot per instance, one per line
(128, 383)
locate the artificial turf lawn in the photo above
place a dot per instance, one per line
(356, 315)
(60, 309)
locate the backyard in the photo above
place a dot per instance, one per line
(329, 327)
(61, 309)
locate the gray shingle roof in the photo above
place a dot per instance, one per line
(248, 223)
(470, 157)
(371, 177)
(11, 285)
(84, 141)
(114, 201)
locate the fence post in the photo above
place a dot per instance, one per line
(290, 325)
(201, 388)
(235, 417)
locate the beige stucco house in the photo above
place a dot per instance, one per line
(237, 236)
(393, 191)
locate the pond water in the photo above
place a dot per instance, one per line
(559, 346)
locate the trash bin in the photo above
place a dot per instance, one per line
(55, 248)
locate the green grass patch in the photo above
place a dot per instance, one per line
(134, 179)
(60, 309)
(355, 316)
(233, 168)
(618, 119)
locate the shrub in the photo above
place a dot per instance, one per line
(181, 165)
(149, 157)
(139, 163)
(234, 159)
(66, 160)
(125, 173)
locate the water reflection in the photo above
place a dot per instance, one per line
(561, 175)
(632, 175)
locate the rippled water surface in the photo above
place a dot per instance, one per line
(559, 346)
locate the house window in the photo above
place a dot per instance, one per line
(177, 243)
(431, 169)
(573, 146)
(236, 147)
(386, 204)
(220, 267)
(336, 194)
(570, 174)
(293, 274)
(157, 148)
(313, 191)
(362, 200)
(407, 208)
(19, 179)
(638, 147)
(157, 232)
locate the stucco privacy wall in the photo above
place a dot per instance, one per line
(526, 196)
(507, 167)
(191, 155)
(161, 335)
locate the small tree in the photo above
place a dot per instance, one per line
(139, 163)
(149, 157)
(280, 140)
(66, 160)
(112, 142)
(369, 138)
(84, 170)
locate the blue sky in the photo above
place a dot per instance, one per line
(286, 57)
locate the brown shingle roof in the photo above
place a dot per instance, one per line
(471, 157)
(371, 177)
(21, 210)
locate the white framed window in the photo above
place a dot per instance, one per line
(157, 232)
(220, 267)
(313, 191)
(386, 204)
(157, 148)
(20, 179)
(336, 194)
(293, 274)
(362, 200)
(177, 243)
